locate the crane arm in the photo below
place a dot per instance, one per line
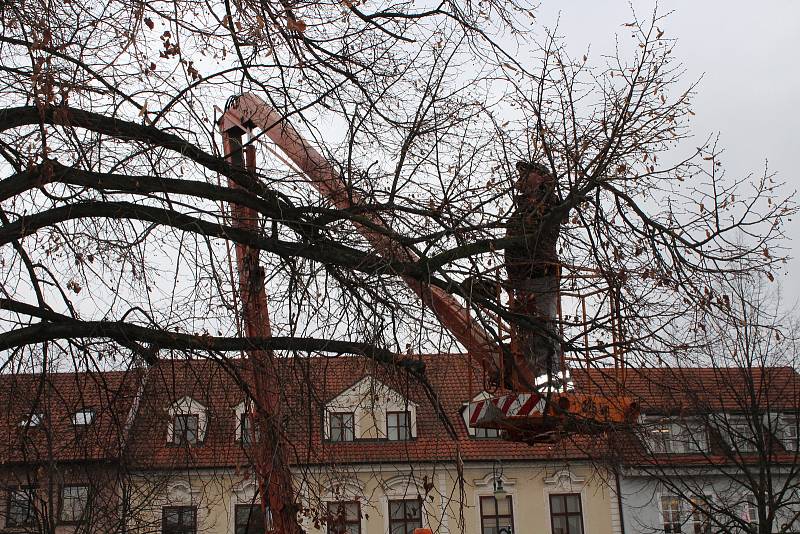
(251, 109)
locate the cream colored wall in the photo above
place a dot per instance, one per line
(529, 484)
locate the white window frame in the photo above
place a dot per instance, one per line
(32, 420)
(187, 406)
(790, 434)
(739, 435)
(63, 508)
(679, 511)
(684, 436)
(83, 417)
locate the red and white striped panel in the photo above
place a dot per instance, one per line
(510, 405)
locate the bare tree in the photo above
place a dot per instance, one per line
(717, 449)
(117, 234)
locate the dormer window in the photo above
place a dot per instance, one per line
(369, 409)
(246, 428)
(741, 436)
(33, 420)
(791, 436)
(342, 426)
(187, 423)
(398, 426)
(669, 436)
(185, 429)
(83, 418)
(487, 433)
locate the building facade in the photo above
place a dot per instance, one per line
(170, 449)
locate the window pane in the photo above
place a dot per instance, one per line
(244, 428)
(412, 509)
(560, 525)
(398, 426)
(179, 520)
(487, 433)
(180, 428)
(574, 524)
(73, 502)
(352, 511)
(191, 429)
(20, 507)
(185, 428)
(489, 526)
(84, 417)
(249, 519)
(341, 426)
(557, 504)
(488, 506)
(396, 510)
(171, 517)
(573, 503)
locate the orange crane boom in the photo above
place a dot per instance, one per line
(249, 109)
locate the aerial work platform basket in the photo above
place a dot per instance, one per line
(548, 417)
(555, 409)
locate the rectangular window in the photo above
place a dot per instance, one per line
(184, 430)
(666, 436)
(487, 433)
(20, 507)
(671, 513)
(691, 438)
(699, 521)
(659, 433)
(750, 513)
(791, 436)
(82, 418)
(404, 516)
(496, 516)
(246, 428)
(32, 420)
(344, 517)
(342, 426)
(179, 520)
(73, 503)
(398, 426)
(566, 513)
(741, 437)
(249, 519)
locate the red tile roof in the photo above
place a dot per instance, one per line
(699, 391)
(57, 396)
(672, 390)
(308, 384)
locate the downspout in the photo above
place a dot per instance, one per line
(619, 502)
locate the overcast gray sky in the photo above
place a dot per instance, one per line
(747, 54)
